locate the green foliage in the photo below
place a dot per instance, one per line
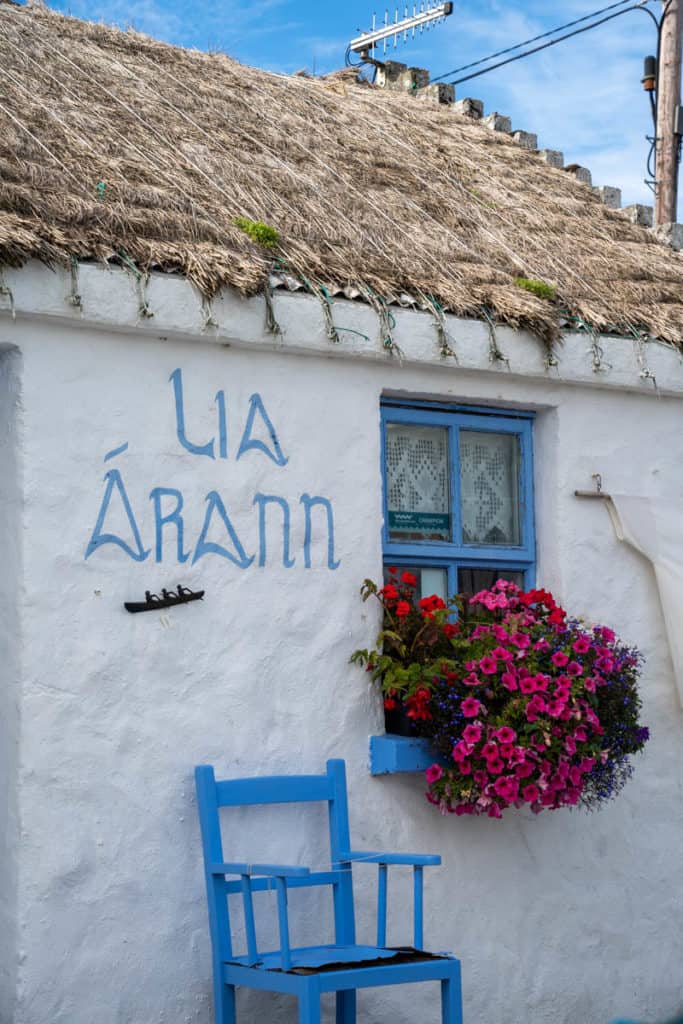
(259, 232)
(538, 288)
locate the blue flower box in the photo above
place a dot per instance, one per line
(391, 754)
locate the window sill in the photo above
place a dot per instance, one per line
(390, 755)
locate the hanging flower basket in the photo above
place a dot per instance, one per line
(522, 705)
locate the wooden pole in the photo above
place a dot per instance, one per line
(668, 102)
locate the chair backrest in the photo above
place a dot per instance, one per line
(212, 794)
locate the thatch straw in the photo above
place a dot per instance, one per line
(115, 146)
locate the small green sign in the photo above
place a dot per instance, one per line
(420, 522)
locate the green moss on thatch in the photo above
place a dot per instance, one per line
(258, 231)
(538, 288)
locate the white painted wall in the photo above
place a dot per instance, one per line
(10, 604)
(560, 918)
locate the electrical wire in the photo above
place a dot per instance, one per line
(534, 39)
(553, 42)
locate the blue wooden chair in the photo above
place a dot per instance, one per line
(308, 972)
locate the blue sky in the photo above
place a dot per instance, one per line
(583, 97)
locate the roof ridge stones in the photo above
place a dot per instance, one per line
(398, 77)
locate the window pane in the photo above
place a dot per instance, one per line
(489, 488)
(471, 581)
(418, 502)
(429, 581)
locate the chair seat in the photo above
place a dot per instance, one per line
(316, 959)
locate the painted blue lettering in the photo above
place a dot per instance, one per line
(98, 539)
(196, 449)
(173, 517)
(267, 499)
(205, 547)
(248, 442)
(310, 502)
(222, 425)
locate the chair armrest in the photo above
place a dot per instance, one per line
(416, 859)
(281, 870)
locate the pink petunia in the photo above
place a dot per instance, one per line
(521, 640)
(481, 778)
(507, 787)
(506, 735)
(488, 665)
(471, 733)
(570, 745)
(542, 682)
(560, 659)
(509, 680)
(494, 811)
(531, 793)
(494, 766)
(461, 750)
(575, 776)
(589, 684)
(470, 707)
(528, 684)
(489, 749)
(518, 756)
(472, 680)
(580, 734)
(507, 750)
(523, 771)
(542, 646)
(574, 668)
(502, 654)
(434, 773)
(581, 645)
(465, 767)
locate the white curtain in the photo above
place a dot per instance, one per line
(654, 527)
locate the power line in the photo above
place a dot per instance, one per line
(527, 53)
(534, 39)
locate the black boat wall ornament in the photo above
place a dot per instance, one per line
(167, 599)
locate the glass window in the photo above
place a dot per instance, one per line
(489, 488)
(458, 498)
(418, 482)
(429, 580)
(471, 581)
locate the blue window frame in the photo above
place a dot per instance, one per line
(458, 494)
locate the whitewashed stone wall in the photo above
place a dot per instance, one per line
(563, 918)
(10, 603)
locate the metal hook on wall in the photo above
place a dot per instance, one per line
(597, 493)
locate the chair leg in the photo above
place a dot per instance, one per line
(224, 1012)
(451, 1000)
(346, 1006)
(309, 1006)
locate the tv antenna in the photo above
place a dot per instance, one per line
(425, 16)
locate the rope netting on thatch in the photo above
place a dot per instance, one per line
(116, 147)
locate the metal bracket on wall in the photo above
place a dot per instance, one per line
(597, 493)
(168, 599)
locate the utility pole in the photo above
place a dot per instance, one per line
(668, 117)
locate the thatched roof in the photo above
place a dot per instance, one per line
(115, 146)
